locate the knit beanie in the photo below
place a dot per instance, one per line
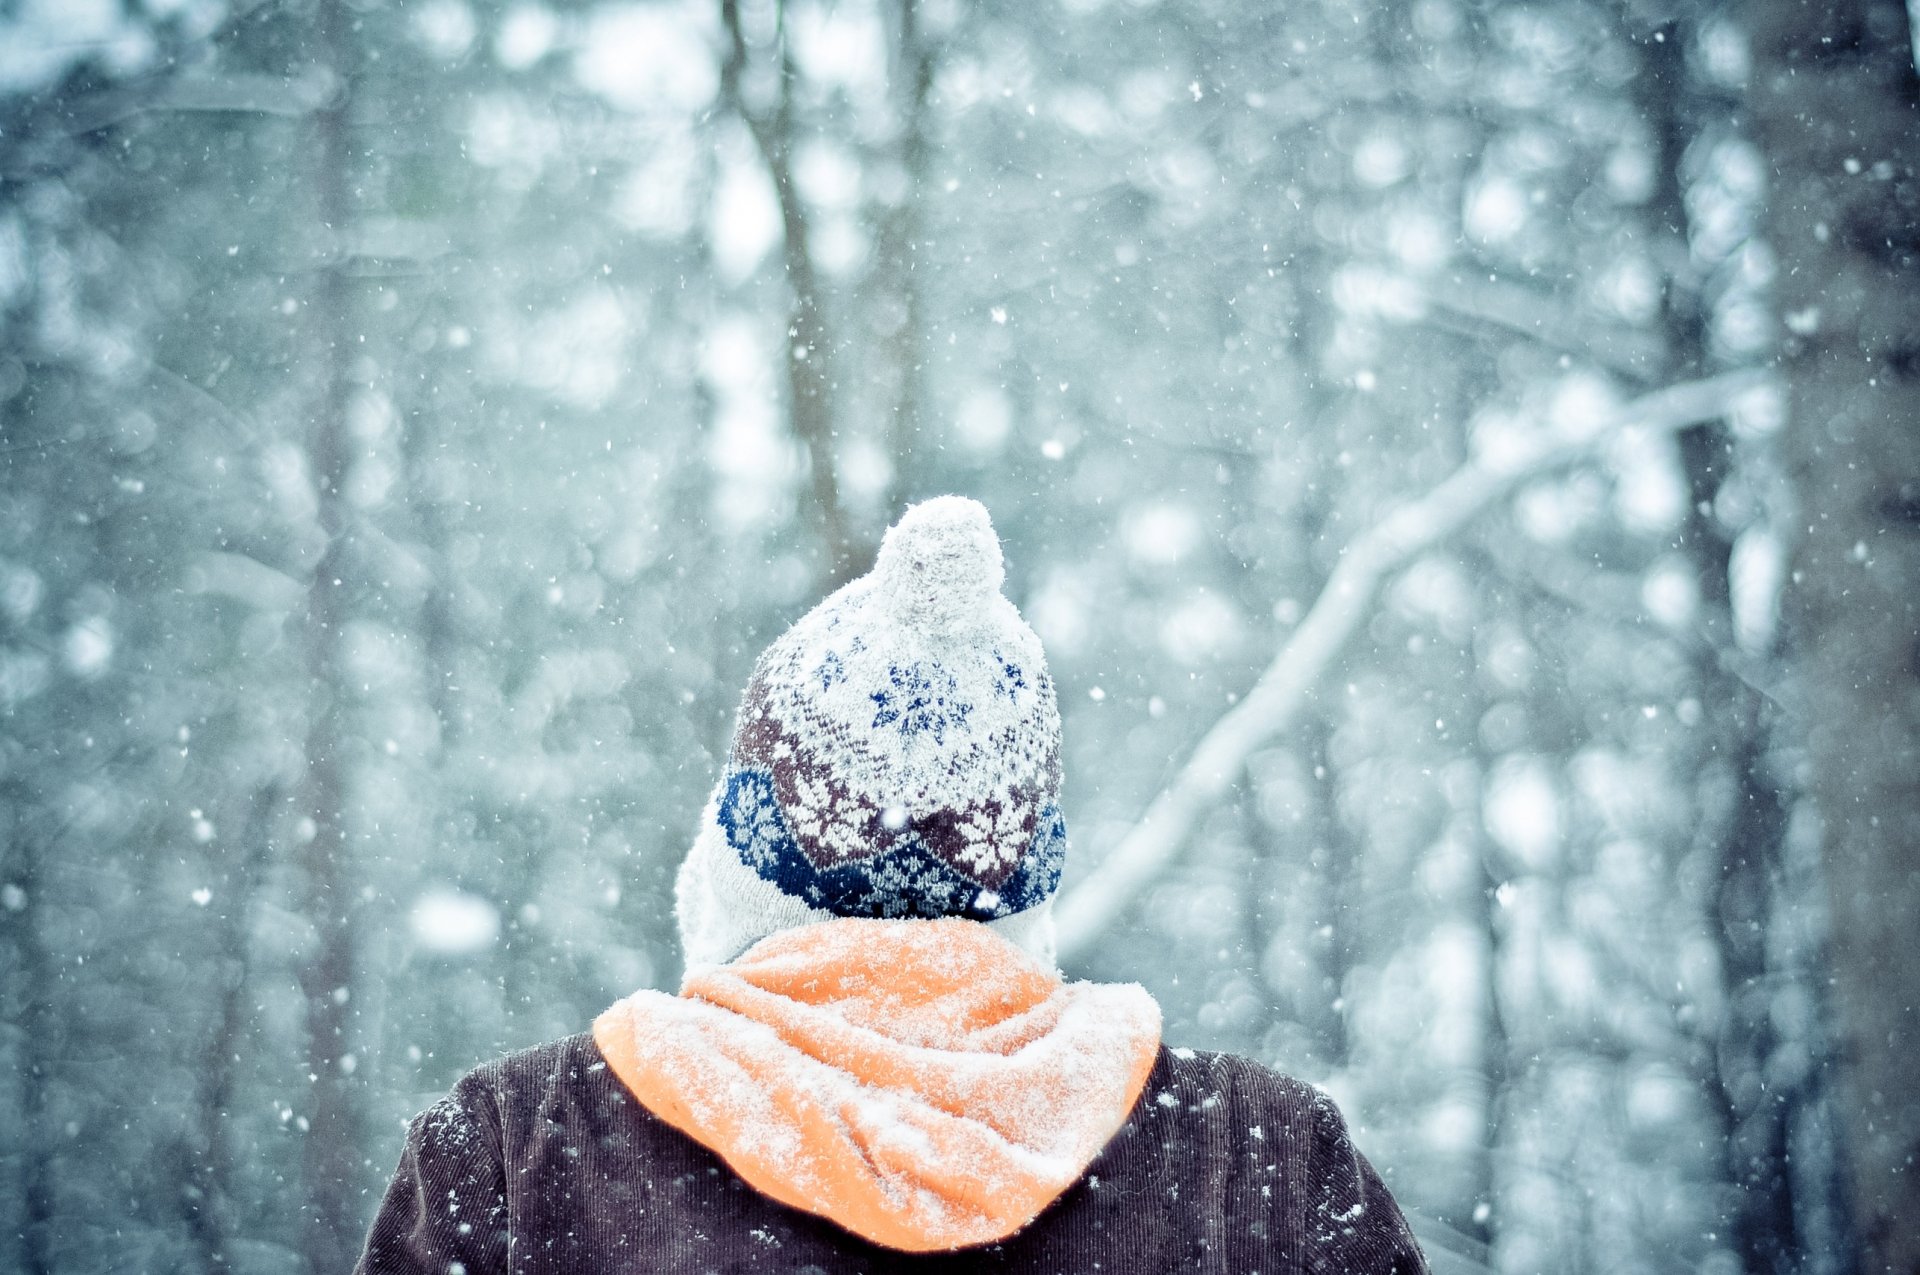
(896, 754)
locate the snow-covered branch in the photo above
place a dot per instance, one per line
(1509, 307)
(1271, 706)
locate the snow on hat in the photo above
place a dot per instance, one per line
(896, 754)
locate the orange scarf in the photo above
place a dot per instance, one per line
(924, 1084)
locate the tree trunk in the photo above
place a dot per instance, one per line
(1497, 1062)
(1741, 807)
(208, 1164)
(38, 1037)
(809, 349)
(420, 442)
(1834, 101)
(1335, 860)
(902, 299)
(332, 1151)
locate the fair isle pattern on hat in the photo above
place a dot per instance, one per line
(897, 752)
(906, 879)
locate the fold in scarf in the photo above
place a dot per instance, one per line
(924, 1084)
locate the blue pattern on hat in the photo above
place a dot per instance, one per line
(905, 880)
(920, 698)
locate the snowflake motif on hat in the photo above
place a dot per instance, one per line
(750, 816)
(993, 837)
(831, 671)
(821, 816)
(921, 699)
(1012, 680)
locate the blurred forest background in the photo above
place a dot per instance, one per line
(1461, 456)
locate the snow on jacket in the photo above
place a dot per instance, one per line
(875, 1096)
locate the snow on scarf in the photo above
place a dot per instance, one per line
(924, 1084)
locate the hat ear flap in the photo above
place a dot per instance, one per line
(1032, 932)
(722, 906)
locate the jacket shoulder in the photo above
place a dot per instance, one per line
(1289, 1141)
(554, 1076)
(1237, 1080)
(572, 1057)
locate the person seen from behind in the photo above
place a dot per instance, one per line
(873, 1064)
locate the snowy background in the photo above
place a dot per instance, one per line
(415, 418)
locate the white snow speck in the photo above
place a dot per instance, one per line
(646, 58)
(453, 922)
(88, 647)
(1803, 322)
(527, 35)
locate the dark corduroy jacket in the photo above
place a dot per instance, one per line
(542, 1162)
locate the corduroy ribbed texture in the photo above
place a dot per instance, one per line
(542, 1162)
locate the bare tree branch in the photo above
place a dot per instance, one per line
(1363, 568)
(1514, 308)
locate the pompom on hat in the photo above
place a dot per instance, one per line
(896, 754)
